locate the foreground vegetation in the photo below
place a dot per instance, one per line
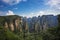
(50, 34)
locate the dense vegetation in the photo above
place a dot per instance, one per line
(50, 34)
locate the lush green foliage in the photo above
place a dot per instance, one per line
(7, 35)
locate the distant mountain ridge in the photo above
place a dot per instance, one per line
(51, 19)
(47, 20)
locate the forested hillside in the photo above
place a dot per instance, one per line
(20, 28)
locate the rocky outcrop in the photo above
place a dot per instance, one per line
(17, 22)
(13, 23)
(6, 26)
(11, 26)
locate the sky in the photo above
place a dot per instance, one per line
(29, 8)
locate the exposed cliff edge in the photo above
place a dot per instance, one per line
(16, 23)
(11, 22)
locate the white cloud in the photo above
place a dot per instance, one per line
(13, 2)
(40, 13)
(48, 13)
(28, 15)
(54, 3)
(33, 14)
(7, 1)
(17, 1)
(10, 13)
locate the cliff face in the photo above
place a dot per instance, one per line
(19, 24)
(12, 23)
(6, 25)
(11, 26)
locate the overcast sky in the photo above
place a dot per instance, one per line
(29, 8)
